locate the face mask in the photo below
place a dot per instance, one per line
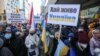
(8, 36)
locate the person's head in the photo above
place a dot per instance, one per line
(1, 43)
(96, 33)
(32, 32)
(8, 33)
(18, 34)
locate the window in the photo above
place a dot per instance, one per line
(7, 4)
(11, 6)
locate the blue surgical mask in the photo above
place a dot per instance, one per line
(8, 36)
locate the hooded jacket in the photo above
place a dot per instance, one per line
(32, 40)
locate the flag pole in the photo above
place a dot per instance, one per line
(60, 32)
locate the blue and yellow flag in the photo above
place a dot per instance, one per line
(62, 49)
(44, 36)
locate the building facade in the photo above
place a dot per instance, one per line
(27, 4)
(7, 6)
(11, 6)
(2, 4)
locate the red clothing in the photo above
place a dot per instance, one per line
(83, 37)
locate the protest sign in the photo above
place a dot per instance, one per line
(16, 17)
(63, 14)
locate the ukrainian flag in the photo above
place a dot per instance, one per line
(62, 49)
(44, 36)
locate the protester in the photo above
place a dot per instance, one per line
(49, 41)
(39, 32)
(8, 36)
(31, 42)
(83, 36)
(65, 31)
(14, 43)
(41, 48)
(24, 34)
(55, 41)
(70, 39)
(4, 51)
(95, 42)
(82, 47)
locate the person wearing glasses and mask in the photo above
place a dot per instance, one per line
(14, 43)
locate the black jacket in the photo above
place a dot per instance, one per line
(4, 51)
(17, 47)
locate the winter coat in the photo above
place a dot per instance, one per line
(32, 40)
(4, 51)
(16, 46)
(78, 52)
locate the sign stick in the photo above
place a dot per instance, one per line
(60, 32)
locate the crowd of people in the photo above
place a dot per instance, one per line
(16, 40)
